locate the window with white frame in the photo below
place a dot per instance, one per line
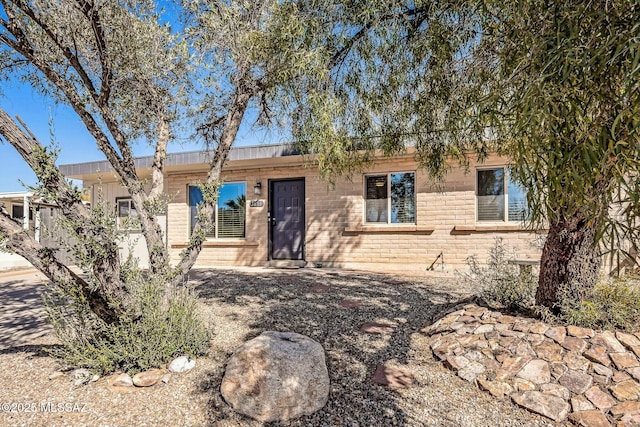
(390, 198)
(229, 213)
(499, 199)
(125, 207)
(127, 216)
(17, 212)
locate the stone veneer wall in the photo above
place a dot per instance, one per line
(588, 377)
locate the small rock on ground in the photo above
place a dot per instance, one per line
(182, 364)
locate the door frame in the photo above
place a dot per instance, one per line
(270, 184)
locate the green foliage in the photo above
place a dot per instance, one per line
(147, 337)
(451, 80)
(611, 304)
(135, 61)
(79, 238)
(157, 205)
(156, 326)
(210, 191)
(501, 283)
(569, 105)
(3, 243)
(384, 77)
(204, 212)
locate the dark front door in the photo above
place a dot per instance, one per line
(287, 219)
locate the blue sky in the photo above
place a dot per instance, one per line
(75, 143)
(36, 112)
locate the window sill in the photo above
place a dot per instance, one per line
(221, 244)
(491, 228)
(387, 229)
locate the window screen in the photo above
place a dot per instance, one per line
(390, 198)
(229, 216)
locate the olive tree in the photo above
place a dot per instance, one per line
(133, 78)
(123, 74)
(115, 66)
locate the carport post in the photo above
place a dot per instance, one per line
(25, 212)
(38, 222)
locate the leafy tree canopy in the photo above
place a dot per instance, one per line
(553, 85)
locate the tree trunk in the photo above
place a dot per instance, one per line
(232, 125)
(22, 243)
(111, 298)
(570, 262)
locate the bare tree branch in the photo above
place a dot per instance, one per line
(89, 10)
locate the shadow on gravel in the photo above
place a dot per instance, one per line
(35, 350)
(330, 307)
(22, 317)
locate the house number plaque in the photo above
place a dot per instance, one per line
(256, 203)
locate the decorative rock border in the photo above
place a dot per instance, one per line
(588, 377)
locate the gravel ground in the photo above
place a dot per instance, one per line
(239, 305)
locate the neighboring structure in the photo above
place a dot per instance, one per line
(36, 216)
(274, 208)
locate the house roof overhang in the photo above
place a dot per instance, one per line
(248, 157)
(18, 197)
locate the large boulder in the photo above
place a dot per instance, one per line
(277, 376)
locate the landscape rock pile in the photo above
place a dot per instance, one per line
(591, 378)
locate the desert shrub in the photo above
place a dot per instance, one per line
(500, 283)
(611, 304)
(149, 336)
(155, 327)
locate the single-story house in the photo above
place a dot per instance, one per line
(274, 209)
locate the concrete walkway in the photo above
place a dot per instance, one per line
(22, 317)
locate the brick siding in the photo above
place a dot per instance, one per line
(439, 207)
